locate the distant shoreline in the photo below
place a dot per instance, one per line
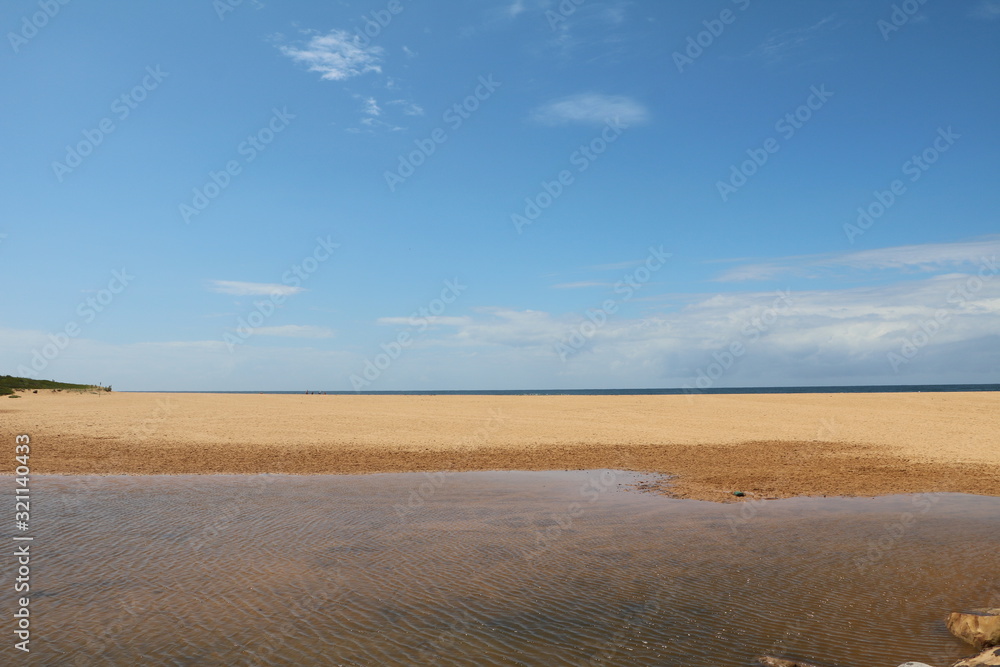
(712, 446)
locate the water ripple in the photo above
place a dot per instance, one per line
(492, 569)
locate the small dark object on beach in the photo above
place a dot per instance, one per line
(738, 494)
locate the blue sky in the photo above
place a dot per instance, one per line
(499, 195)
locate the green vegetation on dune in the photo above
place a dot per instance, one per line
(9, 384)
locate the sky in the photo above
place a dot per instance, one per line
(528, 194)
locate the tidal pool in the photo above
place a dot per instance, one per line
(491, 568)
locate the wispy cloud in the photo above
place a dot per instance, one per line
(337, 55)
(371, 107)
(838, 336)
(408, 108)
(925, 257)
(239, 288)
(432, 320)
(814, 337)
(595, 28)
(371, 123)
(378, 117)
(931, 256)
(779, 45)
(295, 331)
(591, 109)
(987, 10)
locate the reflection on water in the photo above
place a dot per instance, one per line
(517, 568)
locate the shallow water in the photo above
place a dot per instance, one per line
(514, 568)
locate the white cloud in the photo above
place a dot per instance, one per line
(823, 337)
(509, 328)
(432, 320)
(924, 257)
(408, 108)
(374, 117)
(371, 123)
(336, 55)
(295, 331)
(816, 337)
(371, 107)
(591, 109)
(252, 289)
(988, 10)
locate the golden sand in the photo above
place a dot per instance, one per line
(765, 444)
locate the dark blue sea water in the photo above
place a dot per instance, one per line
(852, 389)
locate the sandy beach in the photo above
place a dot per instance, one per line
(773, 445)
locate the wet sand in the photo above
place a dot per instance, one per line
(773, 445)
